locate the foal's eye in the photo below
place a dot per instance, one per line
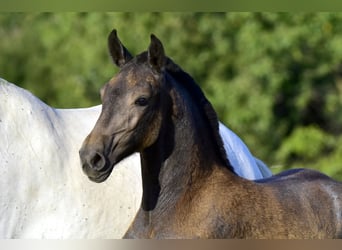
(141, 101)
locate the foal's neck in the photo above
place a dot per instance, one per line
(185, 152)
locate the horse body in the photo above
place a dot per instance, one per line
(190, 189)
(247, 212)
(44, 194)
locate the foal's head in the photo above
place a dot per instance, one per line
(131, 109)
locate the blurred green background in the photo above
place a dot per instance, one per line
(274, 78)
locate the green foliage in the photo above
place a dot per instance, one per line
(274, 78)
(304, 144)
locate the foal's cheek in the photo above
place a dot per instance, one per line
(132, 119)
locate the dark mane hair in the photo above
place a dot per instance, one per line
(192, 87)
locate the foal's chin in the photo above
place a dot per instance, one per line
(101, 176)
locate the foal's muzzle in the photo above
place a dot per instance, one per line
(95, 165)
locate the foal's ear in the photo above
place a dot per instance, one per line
(118, 52)
(156, 54)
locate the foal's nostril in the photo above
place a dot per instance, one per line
(97, 162)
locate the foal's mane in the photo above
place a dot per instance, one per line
(204, 105)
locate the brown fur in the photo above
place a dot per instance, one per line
(189, 188)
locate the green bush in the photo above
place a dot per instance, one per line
(274, 78)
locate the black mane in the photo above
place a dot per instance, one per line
(192, 87)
